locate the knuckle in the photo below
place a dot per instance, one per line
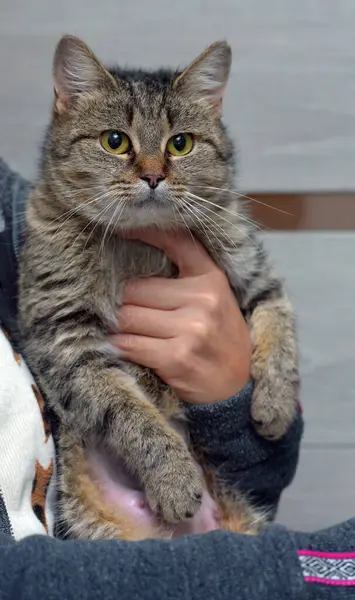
(211, 301)
(127, 342)
(124, 317)
(130, 289)
(183, 356)
(199, 327)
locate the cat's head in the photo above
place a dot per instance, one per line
(131, 148)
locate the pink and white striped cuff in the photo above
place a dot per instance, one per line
(328, 568)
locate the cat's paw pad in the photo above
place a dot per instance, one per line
(177, 494)
(273, 410)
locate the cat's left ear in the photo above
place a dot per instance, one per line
(206, 77)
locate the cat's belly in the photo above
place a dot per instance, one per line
(122, 493)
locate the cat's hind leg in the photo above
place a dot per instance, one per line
(236, 513)
(98, 503)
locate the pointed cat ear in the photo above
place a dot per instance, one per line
(75, 70)
(207, 76)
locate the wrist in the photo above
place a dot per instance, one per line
(219, 391)
(235, 375)
(231, 389)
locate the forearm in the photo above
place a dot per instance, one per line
(274, 565)
(217, 566)
(260, 468)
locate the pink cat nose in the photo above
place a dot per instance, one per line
(153, 179)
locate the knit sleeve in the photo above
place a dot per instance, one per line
(13, 197)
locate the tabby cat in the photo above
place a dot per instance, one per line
(125, 150)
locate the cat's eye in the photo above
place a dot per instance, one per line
(180, 144)
(115, 142)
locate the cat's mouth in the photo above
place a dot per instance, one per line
(151, 200)
(135, 206)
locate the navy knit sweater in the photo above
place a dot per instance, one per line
(275, 565)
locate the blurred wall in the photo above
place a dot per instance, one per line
(290, 103)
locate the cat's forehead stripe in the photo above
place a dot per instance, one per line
(148, 91)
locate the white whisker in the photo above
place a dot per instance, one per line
(77, 209)
(218, 227)
(213, 222)
(195, 218)
(115, 218)
(240, 195)
(241, 231)
(202, 223)
(231, 212)
(186, 225)
(98, 222)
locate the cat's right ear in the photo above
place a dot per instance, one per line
(76, 70)
(206, 77)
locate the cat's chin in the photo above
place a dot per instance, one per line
(149, 216)
(122, 494)
(150, 212)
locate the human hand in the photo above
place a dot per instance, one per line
(189, 330)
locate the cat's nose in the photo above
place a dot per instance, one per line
(153, 179)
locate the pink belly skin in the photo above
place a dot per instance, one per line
(121, 492)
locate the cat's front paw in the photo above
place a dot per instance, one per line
(175, 493)
(273, 408)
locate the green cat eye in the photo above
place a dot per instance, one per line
(180, 144)
(115, 142)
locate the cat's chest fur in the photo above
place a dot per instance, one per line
(131, 259)
(120, 261)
